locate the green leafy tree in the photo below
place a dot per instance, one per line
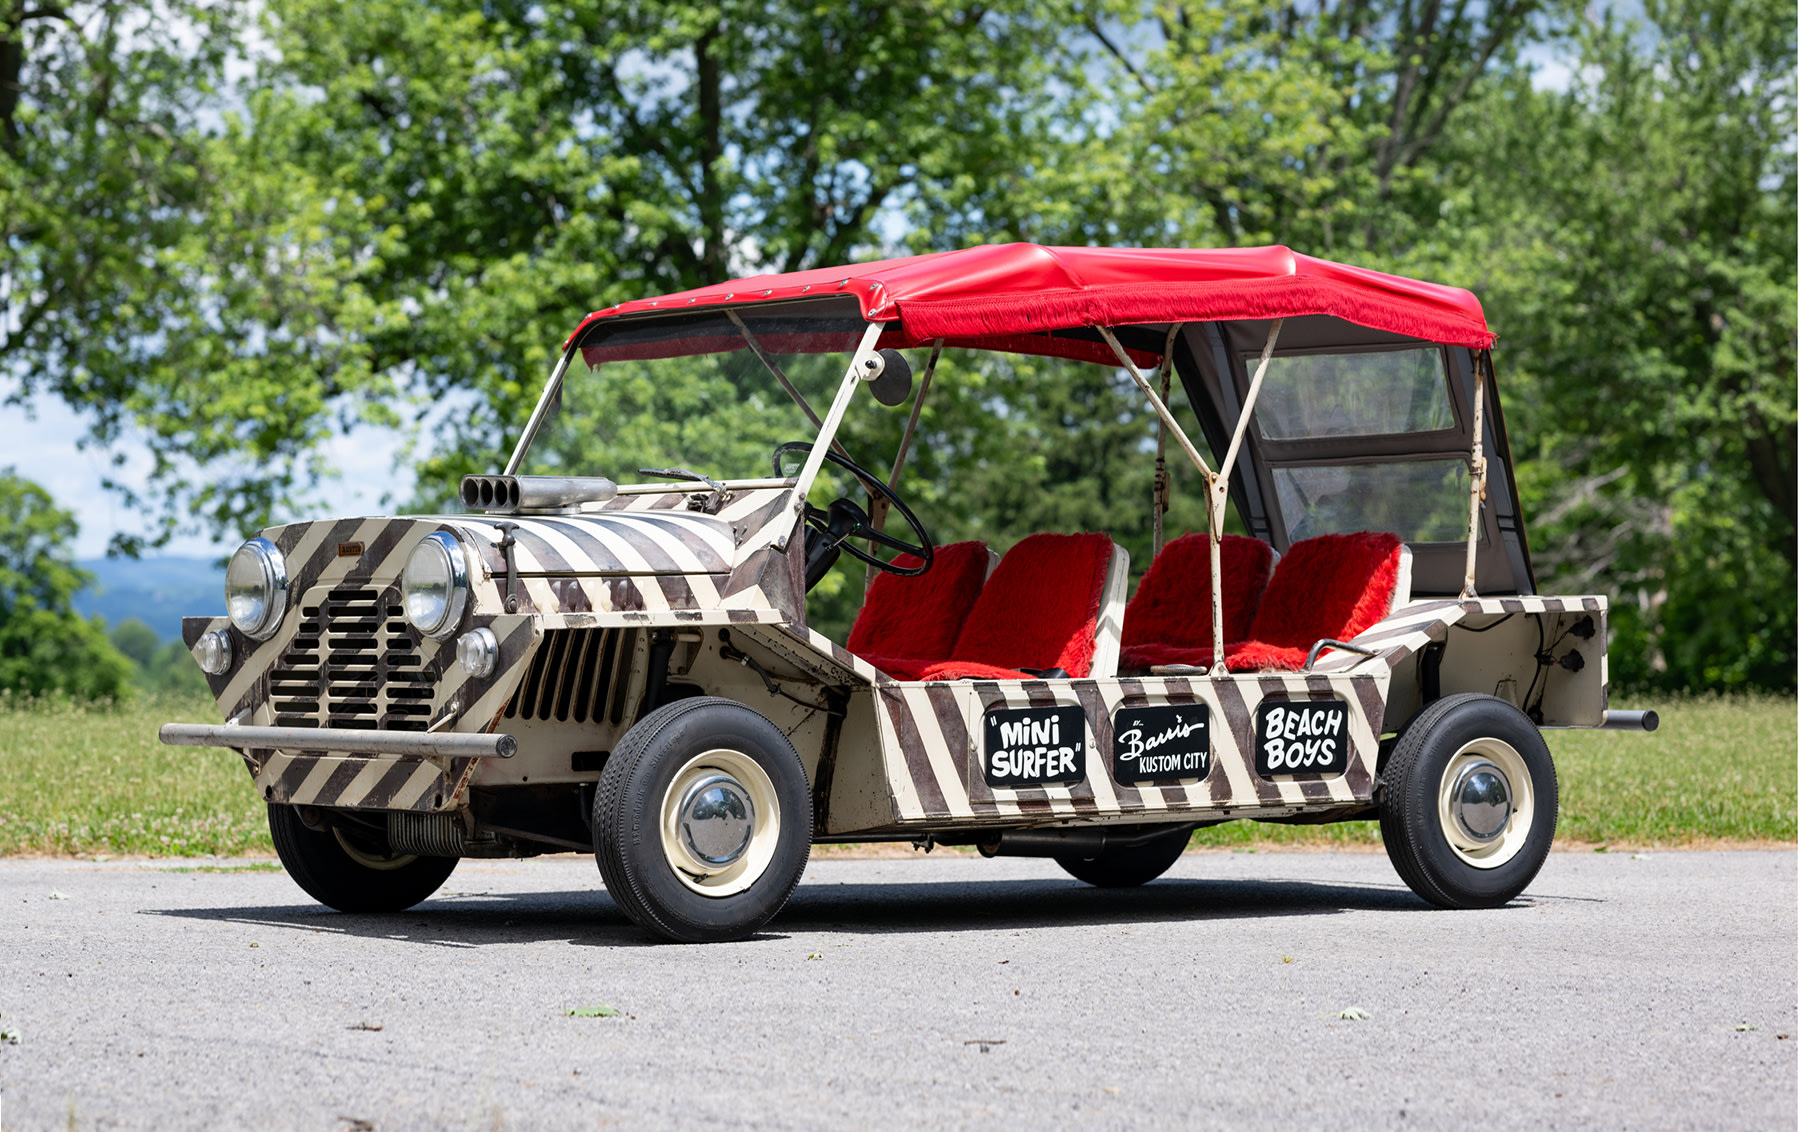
(1638, 234)
(136, 640)
(45, 646)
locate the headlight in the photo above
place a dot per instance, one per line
(435, 586)
(213, 651)
(256, 588)
(478, 651)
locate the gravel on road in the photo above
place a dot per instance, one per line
(1242, 991)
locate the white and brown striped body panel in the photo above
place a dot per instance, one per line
(932, 734)
(345, 657)
(1488, 641)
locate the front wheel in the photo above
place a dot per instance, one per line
(1126, 866)
(1468, 802)
(349, 871)
(702, 821)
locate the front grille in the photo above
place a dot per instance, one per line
(578, 674)
(353, 664)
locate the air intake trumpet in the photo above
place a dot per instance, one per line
(514, 495)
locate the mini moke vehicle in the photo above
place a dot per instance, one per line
(577, 663)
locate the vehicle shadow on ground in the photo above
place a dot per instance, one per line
(453, 918)
(461, 919)
(1039, 903)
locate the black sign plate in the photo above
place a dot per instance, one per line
(1161, 746)
(1034, 746)
(1302, 737)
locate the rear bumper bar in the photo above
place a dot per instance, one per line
(444, 744)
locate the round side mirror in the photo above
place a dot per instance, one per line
(894, 384)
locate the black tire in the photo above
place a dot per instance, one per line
(1129, 866)
(629, 807)
(1418, 835)
(325, 864)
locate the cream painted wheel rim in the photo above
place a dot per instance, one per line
(368, 860)
(1501, 757)
(732, 773)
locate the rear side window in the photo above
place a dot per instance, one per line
(1419, 500)
(1306, 396)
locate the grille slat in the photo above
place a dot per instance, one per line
(577, 673)
(352, 664)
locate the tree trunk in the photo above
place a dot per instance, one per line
(713, 253)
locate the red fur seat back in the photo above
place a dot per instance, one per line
(920, 617)
(1040, 608)
(1173, 604)
(1331, 586)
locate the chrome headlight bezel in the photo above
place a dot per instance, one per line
(449, 616)
(265, 557)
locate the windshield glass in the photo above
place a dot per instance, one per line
(688, 392)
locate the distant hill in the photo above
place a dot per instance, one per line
(157, 591)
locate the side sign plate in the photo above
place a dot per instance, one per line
(1034, 746)
(1161, 746)
(1302, 737)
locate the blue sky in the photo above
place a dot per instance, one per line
(41, 445)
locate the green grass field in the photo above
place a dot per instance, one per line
(86, 782)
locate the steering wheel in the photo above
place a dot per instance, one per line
(829, 532)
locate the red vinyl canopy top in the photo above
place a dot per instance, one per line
(1002, 291)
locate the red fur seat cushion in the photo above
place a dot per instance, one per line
(1169, 620)
(907, 623)
(1332, 586)
(1039, 610)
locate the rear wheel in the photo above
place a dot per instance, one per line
(1468, 805)
(1131, 865)
(702, 821)
(349, 871)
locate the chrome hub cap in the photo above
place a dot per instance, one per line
(1486, 804)
(720, 822)
(717, 820)
(1481, 801)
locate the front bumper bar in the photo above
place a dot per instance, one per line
(444, 744)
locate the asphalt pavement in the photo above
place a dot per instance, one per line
(1242, 991)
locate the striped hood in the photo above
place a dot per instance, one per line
(644, 556)
(625, 543)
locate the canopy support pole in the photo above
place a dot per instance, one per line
(863, 361)
(1218, 484)
(1159, 488)
(878, 507)
(552, 390)
(1477, 484)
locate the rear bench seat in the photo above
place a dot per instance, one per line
(1331, 587)
(1169, 620)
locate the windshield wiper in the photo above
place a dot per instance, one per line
(712, 504)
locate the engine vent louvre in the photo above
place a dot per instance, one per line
(578, 675)
(352, 664)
